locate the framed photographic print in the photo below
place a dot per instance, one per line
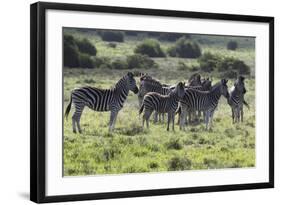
(129, 102)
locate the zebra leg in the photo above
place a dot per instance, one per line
(74, 123)
(242, 114)
(183, 120)
(211, 120)
(207, 119)
(238, 114)
(112, 120)
(146, 116)
(79, 107)
(173, 121)
(155, 117)
(169, 120)
(232, 112)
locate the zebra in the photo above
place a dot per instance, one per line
(194, 80)
(101, 100)
(205, 101)
(148, 84)
(236, 99)
(162, 104)
(206, 85)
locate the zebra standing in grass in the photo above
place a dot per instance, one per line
(205, 85)
(148, 84)
(101, 100)
(236, 99)
(162, 104)
(205, 101)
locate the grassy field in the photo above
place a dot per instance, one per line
(130, 149)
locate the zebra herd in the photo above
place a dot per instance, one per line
(185, 98)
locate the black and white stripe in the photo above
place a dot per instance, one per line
(148, 84)
(101, 100)
(236, 99)
(205, 101)
(162, 104)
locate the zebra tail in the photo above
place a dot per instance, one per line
(141, 109)
(246, 104)
(68, 107)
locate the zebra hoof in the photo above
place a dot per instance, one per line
(74, 131)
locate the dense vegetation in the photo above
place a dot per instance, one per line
(131, 149)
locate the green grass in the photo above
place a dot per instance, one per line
(131, 149)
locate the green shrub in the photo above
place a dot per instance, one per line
(174, 143)
(151, 48)
(140, 61)
(232, 45)
(179, 163)
(185, 48)
(131, 33)
(112, 45)
(230, 63)
(208, 62)
(183, 66)
(119, 64)
(172, 36)
(85, 61)
(101, 62)
(70, 52)
(117, 36)
(229, 74)
(85, 46)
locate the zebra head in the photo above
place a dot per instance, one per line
(131, 82)
(206, 84)
(224, 88)
(180, 90)
(240, 85)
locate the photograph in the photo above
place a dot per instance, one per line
(150, 102)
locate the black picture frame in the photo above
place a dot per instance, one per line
(38, 103)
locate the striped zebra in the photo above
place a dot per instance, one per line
(236, 99)
(194, 80)
(148, 84)
(101, 100)
(162, 104)
(205, 101)
(206, 85)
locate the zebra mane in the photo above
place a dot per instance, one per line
(120, 82)
(152, 82)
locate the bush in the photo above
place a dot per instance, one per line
(229, 74)
(228, 66)
(232, 45)
(185, 48)
(179, 163)
(131, 33)
(151, 48)
(77, 53)
(85, 61)
(112, 45)
(85, 46)
(209, 62)
(174, 144)
(140, 61)
(172, 36)
(230, 63)
(183, 66)
(102, 62)
(119, 64)
(70, 52)
(117, 36)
